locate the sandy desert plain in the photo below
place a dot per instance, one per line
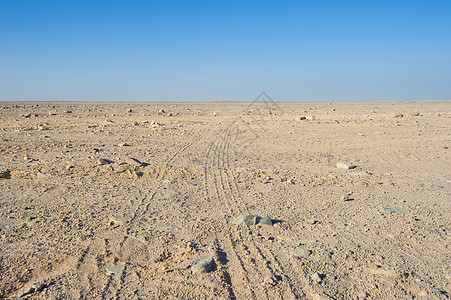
(138, 200)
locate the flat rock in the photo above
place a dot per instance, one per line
(252, 220)
(105, 161)
(135, 162)
(391, 210)
(166, 227)
(300, 252)
(343, 164)
(114, 269)
(203, 266)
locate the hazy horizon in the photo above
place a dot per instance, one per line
(231, 51)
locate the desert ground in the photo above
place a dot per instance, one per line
(142, 200)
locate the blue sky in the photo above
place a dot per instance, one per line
(224, 50)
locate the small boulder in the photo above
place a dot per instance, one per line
(114, 269)
(203, 266)
(343, 164)
(300, 252)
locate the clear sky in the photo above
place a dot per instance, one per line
(225, 50)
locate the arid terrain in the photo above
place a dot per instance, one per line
(138, 200)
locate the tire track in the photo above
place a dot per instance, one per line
(256, 259)
(139, 211)
(262, 254)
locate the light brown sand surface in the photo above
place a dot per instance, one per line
(75, 200)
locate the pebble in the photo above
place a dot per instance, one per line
(270, 280)
(252, 220)
(203, 266)
(311, 221)
(166, 227)
(398, 115)
(316, 277)
(363, 295)
(423, 293)
(105, 161)
(300, 252)
(325, 252)
(134, 162)
(320, 297)
(35, 287)
(310, 118)
(343, 164)
(390, 210)
(129, 110)
(415, 113)
(346, 197)
(123, 145)
(114, 269)
(5, 174)
(301, 118)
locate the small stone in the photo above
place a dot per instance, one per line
(311, 221)
(325, 252)
(123, 145)
(423, 293)
(363, 295)
(5, 174)
(300, 252)
(415, 113)
(114, 269)
(134, 162)
(129, 110)
(270, 280)
(161, 111)
(316, 277)
(39, 286)
(136, 123)
(399, 115)
(105, 161)
(203, 266)
(342, 164)
(320, 297)
(68, 111)
(166, 227)
(266, 221)
(346, 197)
(26, 290)
(301, 118)
(310, 118)
(246, 220)
(391, 210)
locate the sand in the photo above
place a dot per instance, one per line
(136, 200)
